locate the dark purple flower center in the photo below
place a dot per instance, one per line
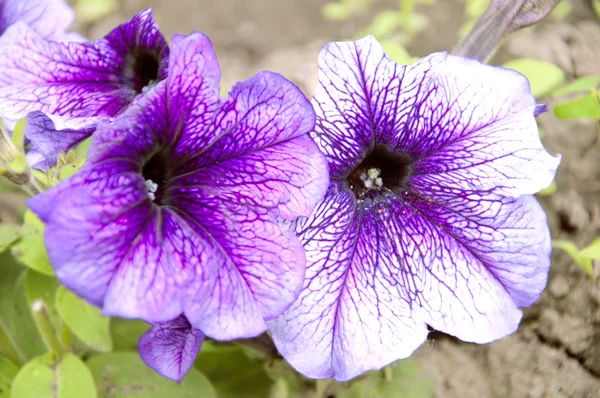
(157, 172)
(380, 170)
(141, 68)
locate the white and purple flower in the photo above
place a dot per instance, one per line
(429, 218)
(174, 219)
(65, 89)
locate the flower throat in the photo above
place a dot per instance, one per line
(380, 170)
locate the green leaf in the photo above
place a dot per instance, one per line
(93, 10)
(20, 340)
(18, 135)
(384, 24)
(51, 376)
(8, 234)
(126, 333)
(402, 379)
(561, 10)
(398, 53)
(30, 248)
(85, 321)
(586, 83)
(336, 11)
(592, 251)
(232, 373)
(474, 8)
(121, 375)
(586, 107)
(543, 76)
(8, 371)
(596, 6)
(548, 191)
(571, 249)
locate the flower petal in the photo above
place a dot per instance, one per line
(462, 118)
(194, 84)
(260, 268)
(170, 348)
(91, 220)
(73, 79)
(50, 18)
(258, 150)
(379, 273)
(351, 316)
(50, 135)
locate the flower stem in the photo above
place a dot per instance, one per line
(489, 30)
(42, 321)
(263, 344)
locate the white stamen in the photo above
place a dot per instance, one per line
(371, 179)
(151, 187)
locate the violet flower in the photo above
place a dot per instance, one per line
(176, 211)
(49, 18)
(69, 87)
(429, 219)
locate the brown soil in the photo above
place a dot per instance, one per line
(556, 351)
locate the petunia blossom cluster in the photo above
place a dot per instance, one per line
(399, 200)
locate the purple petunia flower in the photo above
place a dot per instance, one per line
(49, 18)
(67, 88)
(177, 208)
(429, 218)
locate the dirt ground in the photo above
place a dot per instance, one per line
(556, 352)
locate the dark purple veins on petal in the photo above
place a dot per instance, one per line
(141, 68)
(382, 169)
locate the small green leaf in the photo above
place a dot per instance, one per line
(8, 371)
(543, 76)
(232, 373)
(592, 251)
(561, 10)
(586, 83)
(124, 375)
(30, 249)
(596, 6)
(571, 249)
(93, 10)
(398, 53)
(586, 107)
(384, 24)
(336, 11)
(19, 337)
(402, 379)
(18, 135)
(8, 234)
(126, 333)
(548, 191)
(474, 8)
(51, 376)
(85, 321)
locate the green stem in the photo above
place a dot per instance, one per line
(44, 325)
(65, 336)
(263, 344)
(8, 349)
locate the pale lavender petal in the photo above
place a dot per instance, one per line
(50, 135)
(91, 220)
(379, 273)
(466, 119)
(260, 267)
(78, 79)
(352, 316)
(50, 18)
(170, 348)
